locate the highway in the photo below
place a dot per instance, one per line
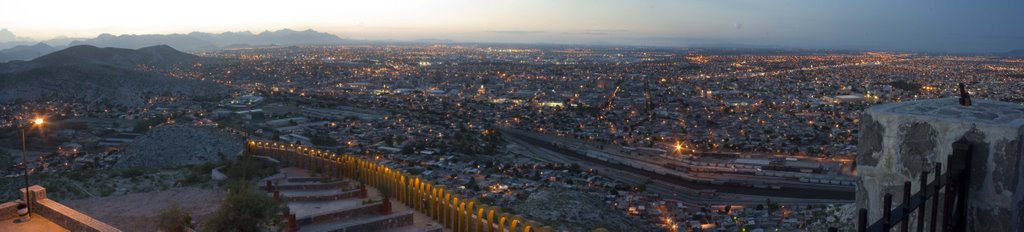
(672, 185)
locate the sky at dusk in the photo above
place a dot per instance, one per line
(918, 25)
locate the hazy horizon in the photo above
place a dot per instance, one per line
(991, 26)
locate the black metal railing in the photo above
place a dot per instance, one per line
(953, 185)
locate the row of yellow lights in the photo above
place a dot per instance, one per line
(302, 148)
(385, 168)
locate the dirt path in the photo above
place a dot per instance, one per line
(139, 211)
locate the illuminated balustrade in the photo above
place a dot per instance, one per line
(419, 194)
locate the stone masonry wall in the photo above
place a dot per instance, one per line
(69, 218)
(898, 141)
(8, 210)
(63, 215)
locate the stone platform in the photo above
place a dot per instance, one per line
(38, 223)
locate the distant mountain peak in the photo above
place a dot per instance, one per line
(25, 52)
(1015, 53)
(159, 48)
(153, 55)
(8, 36)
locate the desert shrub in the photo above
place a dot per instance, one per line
(174, 219)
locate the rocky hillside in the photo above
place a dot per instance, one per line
(178, 145)
(576, 211)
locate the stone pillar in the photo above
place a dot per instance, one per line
(293, 225)
(363, 193)
(489, 224)
(480, 218)
(502, 219)
(385, 206)
(899, 141)
(446, 213)
(34, 193)
(336, 170)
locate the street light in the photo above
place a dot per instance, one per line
(24, 161)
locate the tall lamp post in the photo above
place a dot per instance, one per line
(24, 159)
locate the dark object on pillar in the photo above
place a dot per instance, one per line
(270, 186)
(965, 98)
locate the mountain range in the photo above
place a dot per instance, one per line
(1017, 53)
(13, 47)
(101, 75)
(207, 41)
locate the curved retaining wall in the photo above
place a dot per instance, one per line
(418, 193)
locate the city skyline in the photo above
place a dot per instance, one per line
(903, 26)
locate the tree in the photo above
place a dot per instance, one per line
(473, 185)
(247, 169)
(772, 206)
(407, 149)
(245, 209)
(174, 219)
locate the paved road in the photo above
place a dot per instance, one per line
(800, 193)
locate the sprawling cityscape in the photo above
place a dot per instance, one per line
(294, 130)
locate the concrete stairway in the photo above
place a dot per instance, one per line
(319, 204)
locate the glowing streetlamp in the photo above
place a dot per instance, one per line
(24, 163)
